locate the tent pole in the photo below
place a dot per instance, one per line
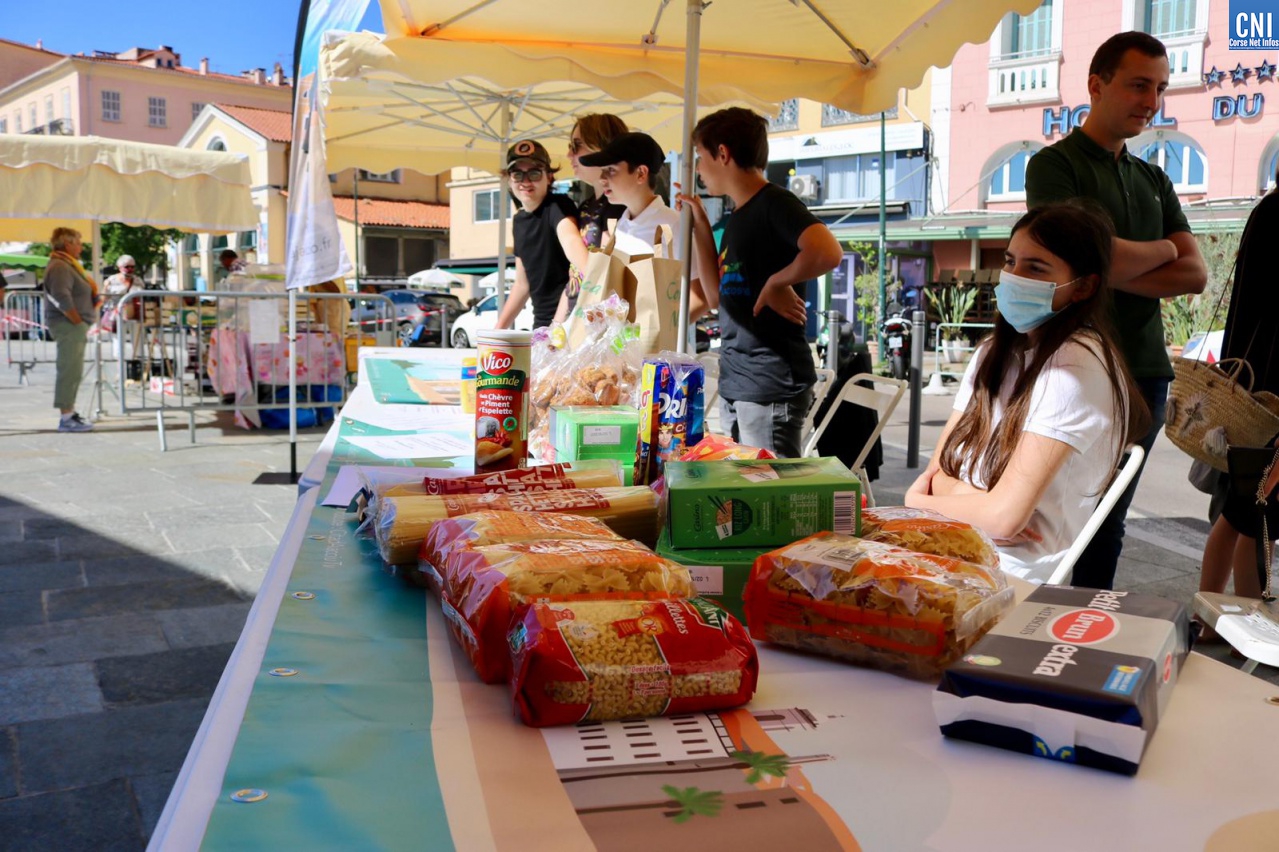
(293, 385)
(503, 204)
(692, 48)
(883, 236)
(95, 234)
(355, 206)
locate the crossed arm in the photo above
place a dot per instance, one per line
(1159, 269)
(1004, 511)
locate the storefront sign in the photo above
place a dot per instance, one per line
(1062, 121)
(1225, 107)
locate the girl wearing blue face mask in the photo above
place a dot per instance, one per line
(1046, 406)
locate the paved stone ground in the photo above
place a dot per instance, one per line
(126, 575)
(125, 578)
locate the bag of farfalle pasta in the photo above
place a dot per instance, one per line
(589, 661)
(483, 586)
(872, 603)
(926, 531)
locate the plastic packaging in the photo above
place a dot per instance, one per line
(873, 604)
(926, 531)
(595, 660)
(484, 585)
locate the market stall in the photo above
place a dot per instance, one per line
(349, 717)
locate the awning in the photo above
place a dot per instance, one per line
(71, 181)
(23, 261)
(472, 265)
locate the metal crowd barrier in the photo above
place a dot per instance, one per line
(182, 352)
(960, 348)
(25, 331)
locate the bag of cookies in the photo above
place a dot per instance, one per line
(872, 603)
(589, 661)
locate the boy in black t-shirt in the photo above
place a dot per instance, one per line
(547, 239)
(771, 246)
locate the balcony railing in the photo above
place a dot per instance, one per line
(1022, 80)
(787, 117)
(57, 127)
(1185, 59)
(833, 116)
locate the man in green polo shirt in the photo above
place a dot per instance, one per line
(1155, 255)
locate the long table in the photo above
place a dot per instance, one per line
(347, 704)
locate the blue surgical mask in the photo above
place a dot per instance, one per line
(1025, 302)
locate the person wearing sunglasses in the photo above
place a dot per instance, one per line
(123, 281)
(548, 243)
(597, 216)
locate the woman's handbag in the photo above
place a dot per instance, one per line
(1211, 407)
(1254, 476)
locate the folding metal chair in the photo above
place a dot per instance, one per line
(883, 401)
(710, 389)
(1127, 470)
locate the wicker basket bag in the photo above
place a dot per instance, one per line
(1211, 407)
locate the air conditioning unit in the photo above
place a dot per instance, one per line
(805, 187)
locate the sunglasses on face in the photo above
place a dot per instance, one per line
(532, 175)
(128, 268)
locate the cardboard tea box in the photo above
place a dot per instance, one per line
(719, 573)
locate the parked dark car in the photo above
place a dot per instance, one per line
(419, 315)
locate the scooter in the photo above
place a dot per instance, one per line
(897, 329)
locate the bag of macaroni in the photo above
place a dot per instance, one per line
(1076, 675)
(590, 661)
(484, 585)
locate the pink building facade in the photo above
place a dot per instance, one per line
(1217, 135)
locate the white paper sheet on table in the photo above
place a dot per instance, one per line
(264, 321)
(400, 417)
(352, 477)
(415, 446)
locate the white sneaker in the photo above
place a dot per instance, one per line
(74, 423)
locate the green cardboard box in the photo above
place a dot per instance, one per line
(580, 432)
(720, 573)
(763, 503)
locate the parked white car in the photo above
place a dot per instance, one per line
(484, 316)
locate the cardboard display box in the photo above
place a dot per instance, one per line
(720, 574)
(1076, 675)
(759, 503)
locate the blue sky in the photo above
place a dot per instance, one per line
(234, 34)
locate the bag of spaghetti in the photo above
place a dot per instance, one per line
(498, 527)
(403, 523)
(588, 661)
(483, 586)
(873, 604)
(926, 531)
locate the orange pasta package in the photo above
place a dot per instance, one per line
(872, 603)
(589, 661)
(484, 585)
(926, 531)
(503, 527)
(717, 448)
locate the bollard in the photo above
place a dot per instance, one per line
(916, 381)
(833, 320)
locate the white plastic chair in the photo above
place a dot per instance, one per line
(882, 396)
(1127, 471)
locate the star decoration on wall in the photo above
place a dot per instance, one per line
(1240, 74)
(1265, 71)
(1213, 77)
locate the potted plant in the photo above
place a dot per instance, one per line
(866, 295)
(952, 303)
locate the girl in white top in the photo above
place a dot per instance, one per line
(1046, 406)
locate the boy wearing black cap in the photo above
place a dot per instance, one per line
(628, 172)
(547, 239)
(772, 245)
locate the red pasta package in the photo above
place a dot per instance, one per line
(873, 604)
(590, 661)
(482, 586)
(504, 527)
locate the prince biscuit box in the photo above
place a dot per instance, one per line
(759, 502)
(672, 412)
(1076, 675)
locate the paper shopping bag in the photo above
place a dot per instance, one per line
(604, 275)
(655, 297)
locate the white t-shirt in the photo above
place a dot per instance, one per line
(1072, 402)
(635, 236)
